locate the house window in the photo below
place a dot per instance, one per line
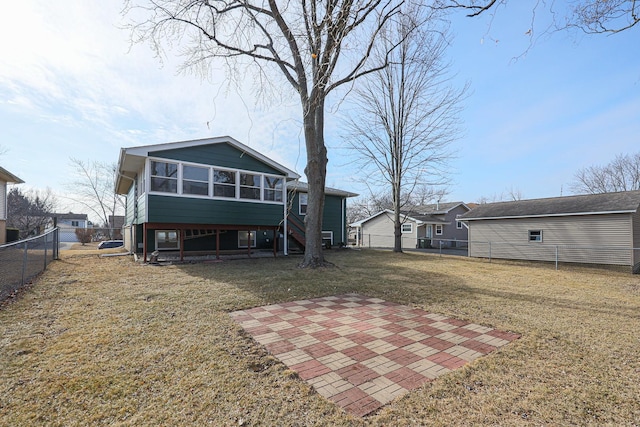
(327, 237)
(535, 235)
(249, 186)
(195, 180)
(459, 225)
(438, 229)
(75, 223)
(224, 183)
(407, 228)
(167, 240)
(244, 237)
(302, 199)
(164, 177)
(273, 188)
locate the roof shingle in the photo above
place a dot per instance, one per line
(627, 201)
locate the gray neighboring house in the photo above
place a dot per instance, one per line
(593, 228)
(424, 226)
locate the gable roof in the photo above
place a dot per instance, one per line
(304, 187)
(589, 204)
(418, 219)
(132, 159)
(438, 208)
(70, 215)
(7, 176)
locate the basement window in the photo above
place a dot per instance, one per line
(245, 238)
(167, 240)
(535, 235)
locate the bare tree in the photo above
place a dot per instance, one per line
(621, 174)
(367, 206)
(94, 188)
(510, 194)
(316, 46)
(30, 212)
(591, 16)
(407, 113)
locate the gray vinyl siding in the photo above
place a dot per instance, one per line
(223, 155)
(186, 210)
(379, 233)
(636, 235)
(450, 230)
(598, 239)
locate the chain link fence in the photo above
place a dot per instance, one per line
(21, 261)
(557, 254)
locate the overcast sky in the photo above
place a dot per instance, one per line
(72, 86)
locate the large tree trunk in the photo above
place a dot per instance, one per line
(316, 171)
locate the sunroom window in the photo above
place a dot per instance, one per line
(224, 183)
(195, 180)
(250, 186)
(164, 177)
(273, 188)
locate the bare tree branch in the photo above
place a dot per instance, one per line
(407, 114)
(621, 174)
(590, 16)
(316, 46)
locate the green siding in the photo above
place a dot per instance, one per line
(222, 154)
(206, 211)
(333, 217)
(130, 206)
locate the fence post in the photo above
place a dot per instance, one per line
(45, 238)
(556, 257)
(24, 262)
(489, 251)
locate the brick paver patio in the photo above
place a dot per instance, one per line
(362, 352)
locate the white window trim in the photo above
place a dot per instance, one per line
(459, 224)
(300, 203)
(439, 229)
(410, 224)
(254, 238)
(167, 249)
(328, 231)
(210, 196)
(178, 177)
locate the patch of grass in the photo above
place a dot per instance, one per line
(108, 341)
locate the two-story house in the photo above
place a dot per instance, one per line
(213, 195)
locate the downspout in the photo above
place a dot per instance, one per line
(344, 210)
(285, 232)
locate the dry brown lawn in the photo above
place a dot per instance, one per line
(106, 341)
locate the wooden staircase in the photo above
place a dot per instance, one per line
(296, 231)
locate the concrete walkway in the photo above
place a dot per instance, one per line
(362, 352)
